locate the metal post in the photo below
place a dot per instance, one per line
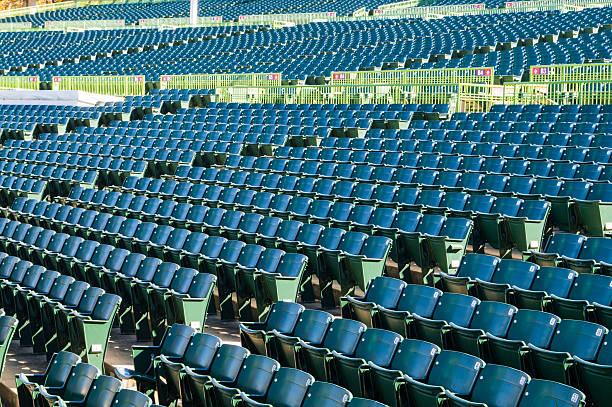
(193, 12)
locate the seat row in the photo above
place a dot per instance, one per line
(59, 179)
(250, 270)
(574, 204)
(451, 151)
(583, 254)
(390, 165)
(361, 257)
(153, 292)
(380, 364)
(12, 187)
(503, 222)
(389, 139)
(69, 382)
(57, 313)
(199, 370)
(166, 159)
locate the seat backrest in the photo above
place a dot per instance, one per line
(283, 316)
(456, 308)
(385, 291)
(226, 365)
(322, 394)
(567, 244)
(478, 266)
(103, 392)
(455, 371)
(256, 374)
(548, 393)
(554, 280)
(59, 368)
(593, 288)
(579, 338)
(493, 317)
(500, 386)
(515, 273)
(201, 351)
(81, 378)
(419, 299)
(535, 327)
(175, 340)
(289, 387)
(131, 398)
(343, 335)
(377, 346)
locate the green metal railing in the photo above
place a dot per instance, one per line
(84, 24)
(212, 81)
(179, 21)
(571, 72)
(296, 18)
(20, 26)
(19, 82)
(424, 76)
(105, 85)
(373, 93)
(467, 97)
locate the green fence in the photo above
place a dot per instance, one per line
(462, 97)
(179, 21)
(571, 72)
(19, 82)
(296, 18)
(417, 76)
(376, 93)
(22, 25)
(84, 24)
(105, 85)
(212, 81)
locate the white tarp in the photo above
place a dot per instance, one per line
(54, 97)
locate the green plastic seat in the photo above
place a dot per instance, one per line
(595, 256)
(343, 336)
(75, 389)
(473, 266)
(594, 376)
(253, 380)
(190, 307)
(493, 225)
(376, 346)
(499, 386)
(172, 345)
(158, 296)
(311, 328)
(450, 308)
(562, 211)
(383, 291)
(322, 394)
(545, 393)
(57, 373)
(415, 299)
(282, 318)
(593, 212)
(572, 337)
(131, 398)
(548, 281)
(586, 289)
(558, 244)
(288, 389)
(508, 275)
(412, 358)
(225, 366)
(527, 327)
(411, 243)
(527, 228)
(198, 354)
(101, 394)
(452, 371)
(492, 317)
